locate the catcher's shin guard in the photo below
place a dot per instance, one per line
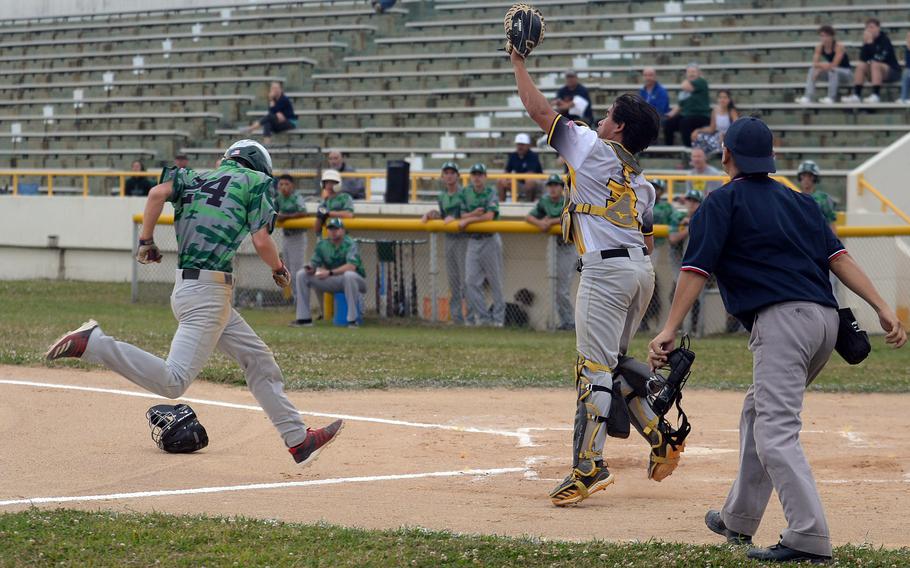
(592, 383)
(666, 444)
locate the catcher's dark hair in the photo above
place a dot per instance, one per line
(641, 121)
(288, 177)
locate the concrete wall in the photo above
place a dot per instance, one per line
(49, 8)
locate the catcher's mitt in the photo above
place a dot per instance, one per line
(524, 28)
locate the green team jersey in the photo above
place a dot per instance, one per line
(329, 256)
(339, 202)
(290, 204)
(677, 220)
(213, 212)
(486, 200)
(826, 204)
(451, 204)
(546, 207)
(663, 214)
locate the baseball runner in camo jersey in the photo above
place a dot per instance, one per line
(213, 212)
(546, 214)
(609, 217)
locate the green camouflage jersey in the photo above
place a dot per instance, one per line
(547, 207)
(330, 256)
(663, 214)
(826, 204)
(213, 212)
(486, 200)
(339, 202)
(450, 204)
(293, 203)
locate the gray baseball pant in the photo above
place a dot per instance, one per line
(294, 249)
(206, 320)
(612, 298)
(351, 283)
(566, 258)
(483, 261)
(456, 248)
(791, 342)
(834, 77)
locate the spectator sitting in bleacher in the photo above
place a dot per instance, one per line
(138, 186)
(289, 204)
(877, 60)
(701, 167)
(573, 101)
(280, 116)
(653, 92)
(905, 82)
(829, 63)
(335, 203)
(181, 160)
(521, 161)
(709, 138)
(693, 109)
(355, 187)
(382, 5)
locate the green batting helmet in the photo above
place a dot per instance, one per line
(808, 167)
(252, 153)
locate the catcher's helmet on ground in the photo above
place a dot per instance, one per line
(808, 167)
(252, 153)
(176, 429)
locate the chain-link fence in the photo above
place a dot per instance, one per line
(407, 275)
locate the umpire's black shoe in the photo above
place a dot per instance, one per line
(780, 553)
(716, 524)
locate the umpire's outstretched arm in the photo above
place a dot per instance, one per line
(535, 103)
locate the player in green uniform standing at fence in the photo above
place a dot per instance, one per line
(336, 267)
(335, 204)
(483, 258)
(290, 204)
(212, 215)
(451, 208)
(807, 175)
(545, 215)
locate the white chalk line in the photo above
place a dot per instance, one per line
(263, 486)
(523, 437)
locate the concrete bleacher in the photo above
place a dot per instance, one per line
(388, 86)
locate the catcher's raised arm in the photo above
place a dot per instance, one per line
(524, 29)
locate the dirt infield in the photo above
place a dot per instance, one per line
(473, 461)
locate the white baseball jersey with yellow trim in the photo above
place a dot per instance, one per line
(605, 175)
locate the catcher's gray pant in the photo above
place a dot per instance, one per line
(483, 261)
(294, 249)
(612, 298)
(566, 257)
(456, 248)
(791, 343)
(834, 77)
(351, 283)
(205, 320)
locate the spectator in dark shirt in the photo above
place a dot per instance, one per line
(877, 60)
(280, 116)
(653, 92)
(573, 100)
(693, 110)
(382, 5)
(905, 82)
(521, 161)
(138, 186)
(353, 186)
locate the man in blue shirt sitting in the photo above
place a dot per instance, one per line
(653, 92)
(280, 116)
(771, 251)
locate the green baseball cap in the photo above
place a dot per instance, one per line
(556, 179)
(450, 166)
(335, 223)
(479, 168)
(695, 195)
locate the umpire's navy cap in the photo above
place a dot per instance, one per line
(752, 145)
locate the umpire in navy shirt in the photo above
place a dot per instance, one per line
(771, 251)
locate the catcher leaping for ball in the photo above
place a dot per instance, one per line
(609, 217)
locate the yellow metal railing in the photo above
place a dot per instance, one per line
(368, 177)
(863, 185)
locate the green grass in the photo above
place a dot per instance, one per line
(74, 538)
(380, 354)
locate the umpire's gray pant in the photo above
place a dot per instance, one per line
(456, 248)
(791, 343)
(566, 259)
(483, 261)
(351, 283)
(205, 320)
(294, 249)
